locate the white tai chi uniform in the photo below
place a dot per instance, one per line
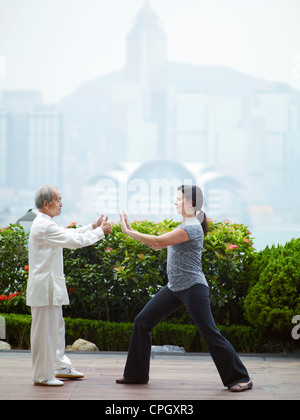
(47, 291)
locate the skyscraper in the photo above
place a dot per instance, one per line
(146, 66)
(146, 52)
(30, 141)
(3, 149)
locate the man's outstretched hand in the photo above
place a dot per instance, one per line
(104, 224)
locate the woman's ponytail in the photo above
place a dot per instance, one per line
(194, 193)
(204, 223)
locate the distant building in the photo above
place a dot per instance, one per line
(143, 92)
(30, 141)
(246, 129)
(3, 149)
(236, 135)
(45, 147)
(31, 144)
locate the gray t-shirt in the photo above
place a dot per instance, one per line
(184, 265)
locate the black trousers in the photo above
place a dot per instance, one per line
(196, 300)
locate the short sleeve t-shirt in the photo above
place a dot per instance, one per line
(184, 265)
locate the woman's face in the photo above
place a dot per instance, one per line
(182, 205)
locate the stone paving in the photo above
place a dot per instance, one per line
(181, 377)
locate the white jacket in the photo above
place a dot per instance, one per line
(46, 284)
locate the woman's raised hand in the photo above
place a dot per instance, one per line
(125, 225)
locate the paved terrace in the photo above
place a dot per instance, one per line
(178, 377)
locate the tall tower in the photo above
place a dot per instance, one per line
(146, 51)
(146, 65)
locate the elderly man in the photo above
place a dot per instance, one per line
(46, 289)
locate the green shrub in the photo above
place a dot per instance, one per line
(112, 336)
(186, 336)
(18, 330)
(116, 277)
(274, 296)
(108, 336)
(113, 279)
(13, 258)
(227, 255)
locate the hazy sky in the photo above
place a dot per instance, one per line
(56, 45)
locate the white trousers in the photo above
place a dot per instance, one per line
(48, 342)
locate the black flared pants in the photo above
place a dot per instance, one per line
(165, 302)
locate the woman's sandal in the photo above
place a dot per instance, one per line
(130, 381)
(241, 388)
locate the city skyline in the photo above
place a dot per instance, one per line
(235, 134)
(82, 40)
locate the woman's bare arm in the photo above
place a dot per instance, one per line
(174, 237)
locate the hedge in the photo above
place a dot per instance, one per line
(254, 295)
(112, 336)
(114, 279)
(274, 294)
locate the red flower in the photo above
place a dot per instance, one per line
(72, 225)
(3, 297)
(11, 296)
(231, 246)
(26, 267)
(71, 290)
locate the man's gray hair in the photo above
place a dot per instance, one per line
(45, 192)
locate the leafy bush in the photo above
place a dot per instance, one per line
(13, 258)
(115, 278)
(274, 296)
(18, 330)
(227, 255)
(112, 336)
(13, 269)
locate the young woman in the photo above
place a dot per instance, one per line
(186, 286)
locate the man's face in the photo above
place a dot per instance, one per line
(54, 208)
